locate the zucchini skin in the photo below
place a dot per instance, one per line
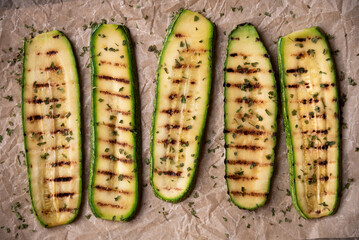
(79, 128)
(275, 114)
(287, 124)
(136, 119)
(169, 33)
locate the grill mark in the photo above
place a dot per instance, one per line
(192, 50)
(245, 162)
(309, 101)
(323, 163)
(177, 81)
(39, 100)
(179, 35)
(241, 100)
(59, 164)
(113, 79)
(56, 36)
(293, 86)
(323, 147)
(59, 179)
(101, 204)
(61, 195)
(40, 117)
(109, 173)
(187, 66)
(103, 188)
(316, 131)
(166, 142)
(300, 39)
(243, 178)
(235, 38)
(297, 70)
(113, 158)
(59, 210)
(118, 127)
(115, 94)
(172, 126)
(169, 173)
(172, 111)
(51, 52)
(114, 64)
(60, 147)
(247, 132)
(316, 116)
(172, 96)
(62, 131)
(53, 68)
(119, 111)
(238, 54)
(114, 141)
(243, 70)
(252, 194)
(245, 147)
(41, 85)
(244, 85)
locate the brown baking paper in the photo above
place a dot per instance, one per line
(216, 217)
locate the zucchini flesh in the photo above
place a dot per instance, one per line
(115, 125)
(180, 106)
(311, 118)
(250, 118)
(51, 125)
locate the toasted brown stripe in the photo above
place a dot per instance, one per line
(60, 147)
(118, 127)
(67, 209)
(61, 195)
(115, 94)
(39, 117)
(114, 64)
(192, 50)
(45, 85)
(119, 111)
(245, 162)
(101, 204)
(187, 66)
(247, 132)
(293, 86)
(51, 52)
(62, 131)
(245, 147)
(243, 178)
(300, 39)
(113, 158)
(252, 194)
(59, 164)
(179, 35)
(102, 188)
(53, 68)
(59, 179)
(114, 141)
(113, 79)
(169, 173)
(248, 100)
(243, 70)
(244, 85)
(108, 173)
(169, 188)
(297, 70)
(316, 131)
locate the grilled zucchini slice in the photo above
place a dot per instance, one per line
(311, 119)
(51, 125)
(180, 106)
(115, 125)
(250, 112)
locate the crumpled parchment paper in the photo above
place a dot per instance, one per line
(207, 213)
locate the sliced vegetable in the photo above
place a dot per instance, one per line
(180, 107)
(250, 118)
(115, 125)
(311, 119)
(51, 125)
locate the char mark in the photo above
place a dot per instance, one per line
(243, 70)
(108, 173)
(245, 147)
(179, 35)
(101, 204)
(309, 101)
(323, 163)
(252, 194)
(113, 158)
(115, 94)
(62, 195)
(293, 86)
(171, 111)
(300, 39)
(102, 188)
(248, 100)
(51, 52)
(59, 164)
(39, 101)
(297, 70)
(118, 127)
(169, 173)
(60, 179)
(53, 68)
(113, 79)
(237, 177)
(245, 162)
(233, 54)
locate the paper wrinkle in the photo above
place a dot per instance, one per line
(211, 206)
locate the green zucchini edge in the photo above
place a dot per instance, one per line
(286, 121)
(275, 114)
(79, 127)
(191, 184)
(136, 119)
